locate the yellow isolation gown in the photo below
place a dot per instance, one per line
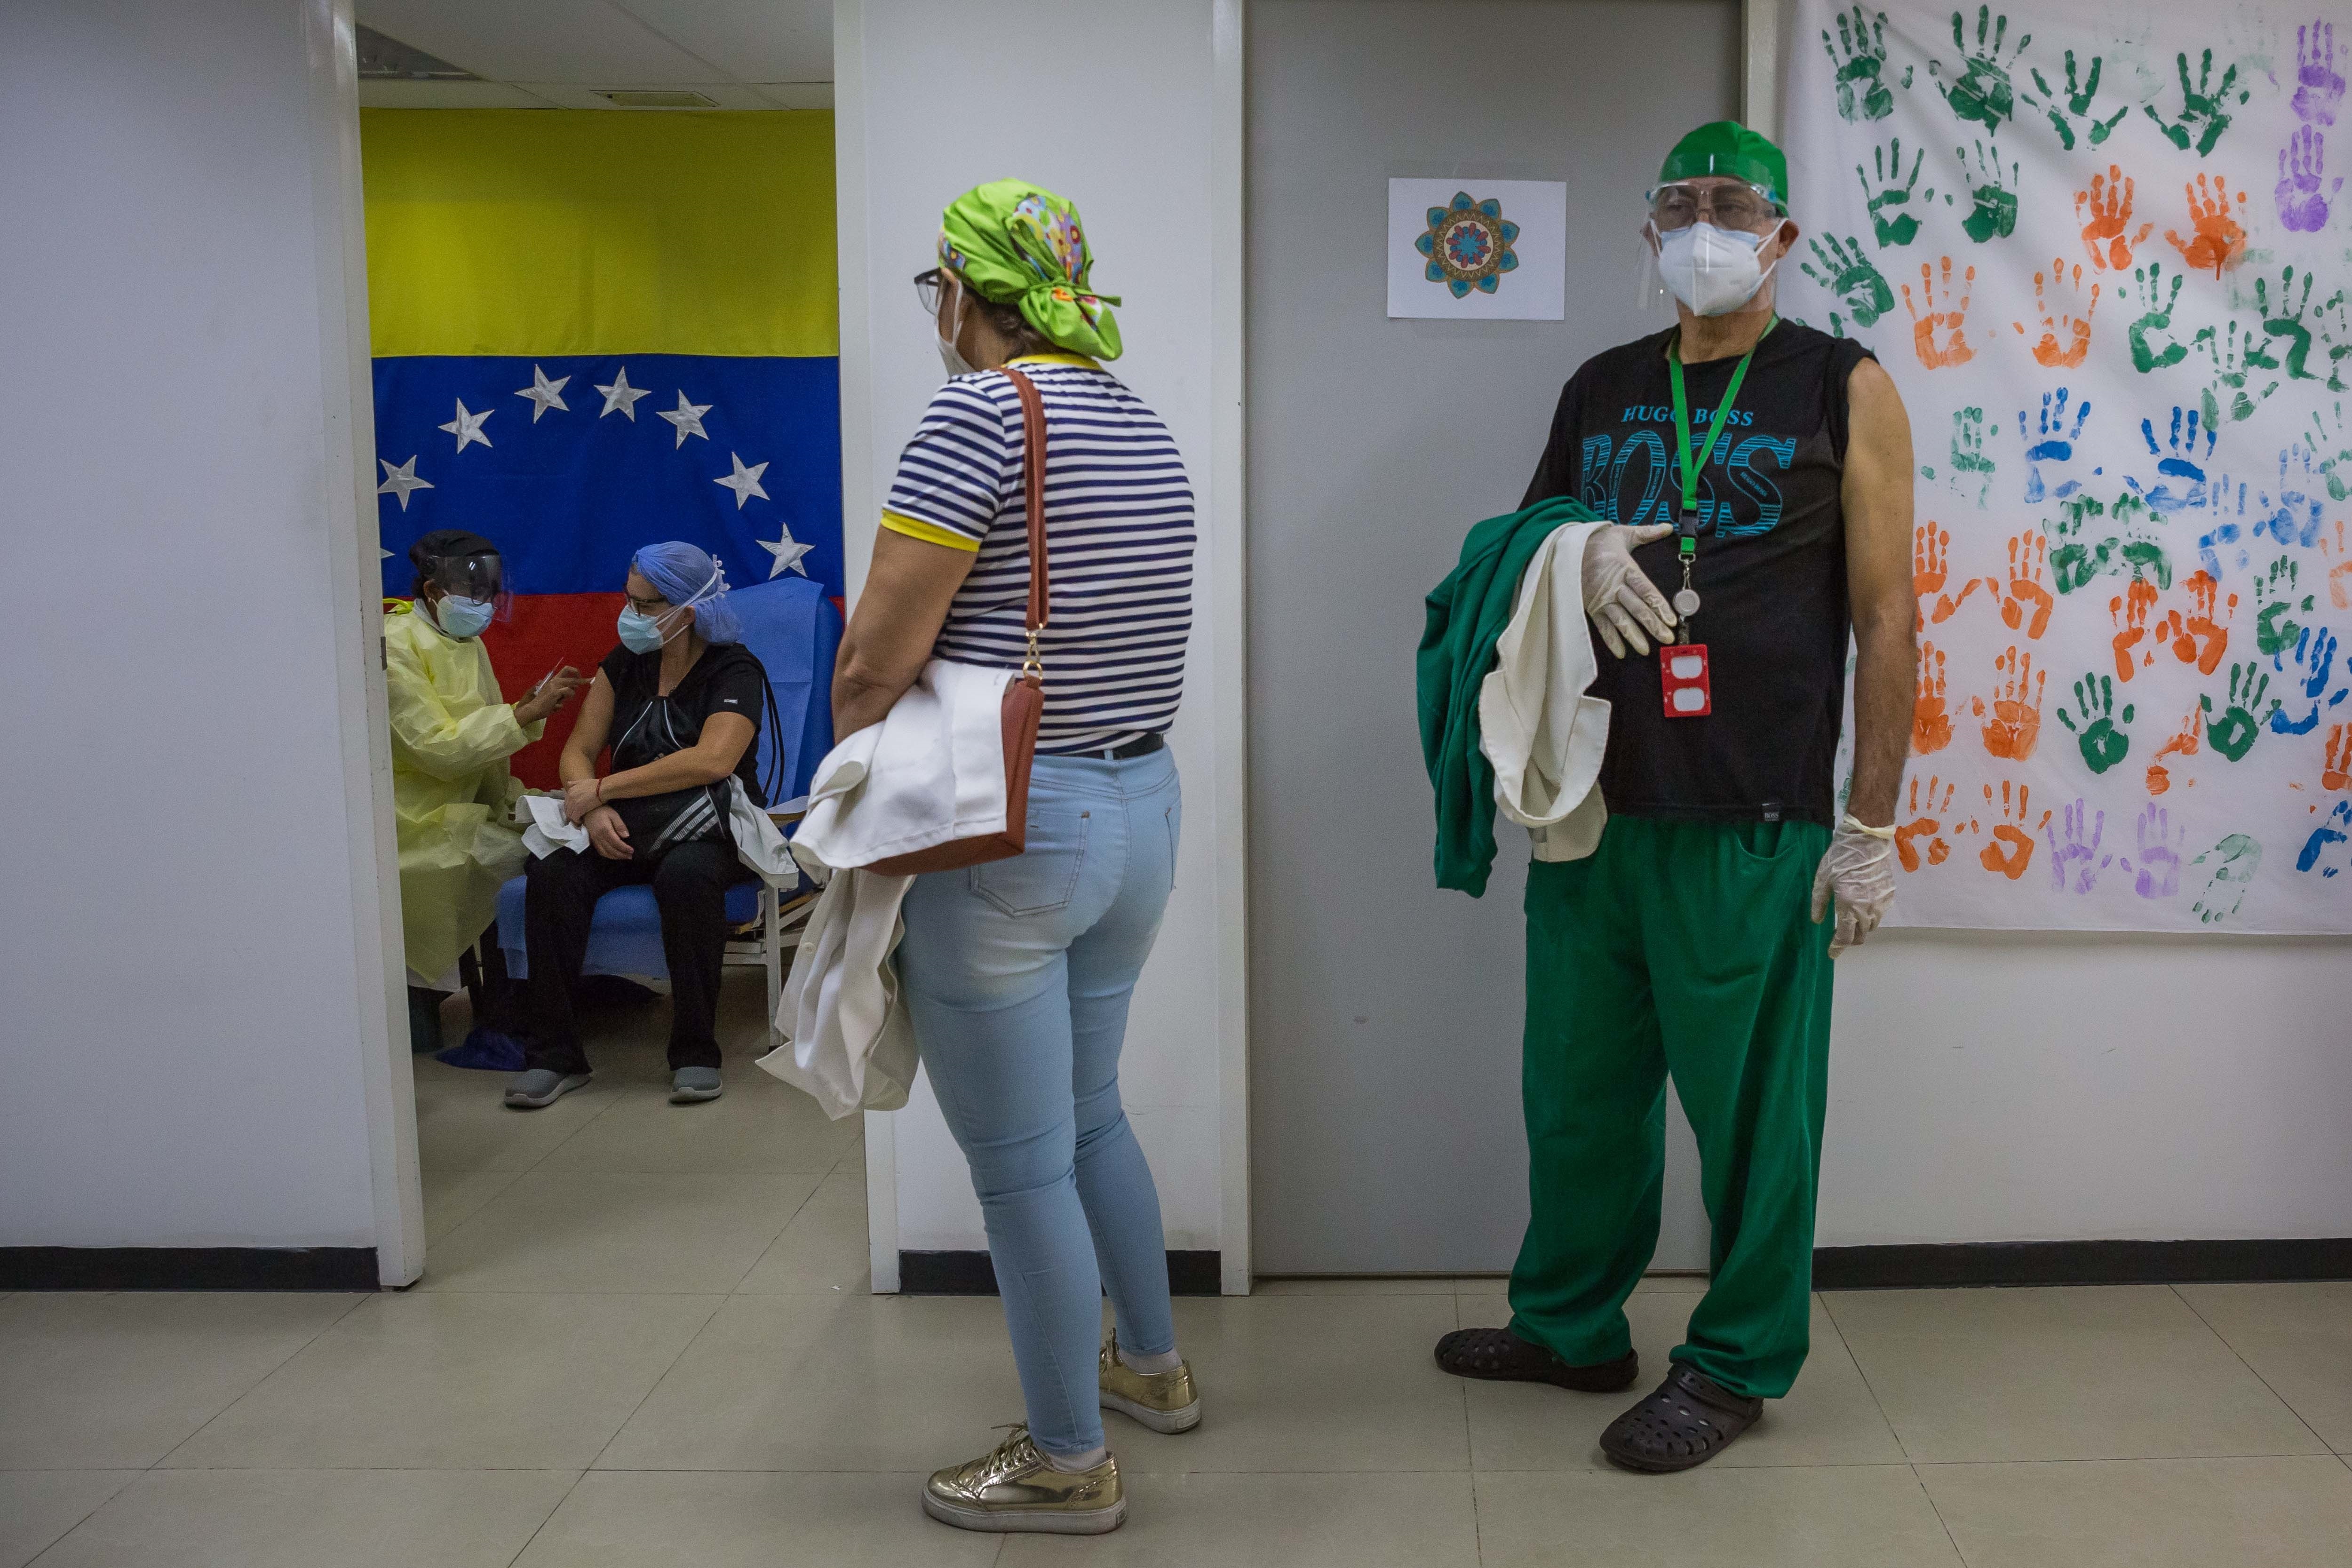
(452, 733)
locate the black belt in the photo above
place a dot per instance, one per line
(1141, 746)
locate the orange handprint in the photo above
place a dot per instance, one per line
(2199, 637)
(1931, 725)
(2337, 772)
(2106, 210)
(2049, 351)
(1926, 818)
(2012, 849)
(2029, 563)
(2183, 744)
(2216, 237)
(2130, 609)
(1930, 569)
(1924, 322)
(2337, 572)
(2015, 724)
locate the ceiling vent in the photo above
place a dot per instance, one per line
(655, 97)
(389, 59)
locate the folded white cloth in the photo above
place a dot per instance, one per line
(758, 844)
(1544, 736)
(932, 771)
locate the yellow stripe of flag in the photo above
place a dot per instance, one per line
(581, 232)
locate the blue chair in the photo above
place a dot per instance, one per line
(792, 627)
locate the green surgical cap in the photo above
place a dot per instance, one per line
(1727, 147)
(1018, 244)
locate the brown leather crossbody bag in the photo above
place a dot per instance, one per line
(1025, 694)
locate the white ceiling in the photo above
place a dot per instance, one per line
(537, 53)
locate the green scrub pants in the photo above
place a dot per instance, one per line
(1689, 947)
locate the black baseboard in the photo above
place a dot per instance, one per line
(2080, 1263)
(187, 1268)
(971, 1274)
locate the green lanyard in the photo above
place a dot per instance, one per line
(1687, 520)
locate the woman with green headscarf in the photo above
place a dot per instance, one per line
(1018, 973)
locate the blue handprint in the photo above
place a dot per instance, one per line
(2329, 832)
(2292, 517)
(2181, 458)
(2313, 666)
(2052, 442)
(2225, 499)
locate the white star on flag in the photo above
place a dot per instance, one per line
(688, 417)
(469, 427)
(399, 481)
(544, 394)
(622, 396)
(787, 551)
(744, 483)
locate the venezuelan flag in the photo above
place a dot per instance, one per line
(594, 330)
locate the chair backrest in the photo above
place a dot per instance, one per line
(792, 627)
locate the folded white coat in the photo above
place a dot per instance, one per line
(932, 770)
(1544, 736)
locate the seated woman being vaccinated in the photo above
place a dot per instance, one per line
(679, 702)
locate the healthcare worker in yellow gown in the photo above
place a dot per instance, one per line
(451, 732)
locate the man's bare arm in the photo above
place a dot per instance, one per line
(1877, 496)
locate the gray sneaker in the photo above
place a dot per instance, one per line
(689, 1085)
(542, 1086)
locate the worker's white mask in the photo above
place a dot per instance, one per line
(1712, 271)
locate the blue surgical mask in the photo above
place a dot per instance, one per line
(640, 632)
(461, 618)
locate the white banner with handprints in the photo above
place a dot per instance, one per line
(2100, 250)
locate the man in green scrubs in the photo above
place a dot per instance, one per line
(1693, 942)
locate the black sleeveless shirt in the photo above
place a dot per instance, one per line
(1770, 572)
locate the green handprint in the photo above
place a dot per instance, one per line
(2146, 356)
(2235, 860)
(2077, 105)
(1969, 452)
(1995, 215)
(2334, 450)
(2101, 738)
(2140, 549)
(2275, 591)
(1860, 56)
(2233, 733)
(2204, 114)
(2290, 327)
(1900, 227)
(2235, 356)
(2074, 561)
(1846, 272)
(1984, 94)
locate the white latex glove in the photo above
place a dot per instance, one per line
(1858, 869)
(1618, 594)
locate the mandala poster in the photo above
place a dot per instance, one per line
(2102, 251)
(1478, 250)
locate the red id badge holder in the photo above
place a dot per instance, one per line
(1681, 673)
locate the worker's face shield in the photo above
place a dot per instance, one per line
(479, 579)
(1725, 203)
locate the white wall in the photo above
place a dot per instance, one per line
(193, 947)
(932, 97)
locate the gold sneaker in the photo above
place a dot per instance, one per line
(1012, 1488)
(1164, 1401)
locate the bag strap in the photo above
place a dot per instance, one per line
(1033, 428)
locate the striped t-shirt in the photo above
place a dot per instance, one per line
(1118, 532)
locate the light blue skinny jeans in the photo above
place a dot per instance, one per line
(1018, 975)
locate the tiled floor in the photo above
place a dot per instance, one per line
(646, 1339)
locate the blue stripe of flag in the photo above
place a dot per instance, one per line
(568, 498)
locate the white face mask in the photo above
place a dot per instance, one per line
(950, 355)
(1712, 271)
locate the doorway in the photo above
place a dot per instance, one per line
(1384, 1014)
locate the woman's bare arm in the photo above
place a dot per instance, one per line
(897, 619)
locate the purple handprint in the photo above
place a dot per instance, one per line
(2077, 851)
(2302, 205)
(2318, 87)
(2158, 870)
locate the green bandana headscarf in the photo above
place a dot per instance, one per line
(1016, 244)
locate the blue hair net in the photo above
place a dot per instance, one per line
(685, 575)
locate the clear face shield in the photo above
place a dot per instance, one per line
(1739, 219)
(476, 580)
